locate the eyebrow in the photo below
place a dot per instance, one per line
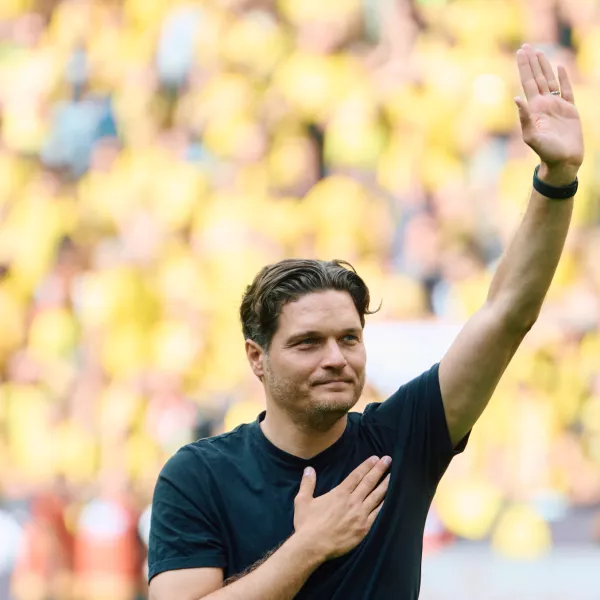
(311, 334)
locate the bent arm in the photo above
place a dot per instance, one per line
(185, 584)
(278, 577)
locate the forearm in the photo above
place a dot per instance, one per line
(280, 577)
(526, 270)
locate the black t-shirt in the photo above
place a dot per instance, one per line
(227, 501)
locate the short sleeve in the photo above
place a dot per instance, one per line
(184, 532)
(413, 421)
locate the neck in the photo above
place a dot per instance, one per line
(300, 439)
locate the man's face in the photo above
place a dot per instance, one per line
(315, 367)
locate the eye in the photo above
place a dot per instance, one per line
(308, 342)
(351, 338)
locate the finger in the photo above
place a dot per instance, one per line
(372, 478)
(548, 72)
(536, 69)
(375, 498)
(524, 115)
(307, 485)
(371, 518)
(526, 75)
(351, 482)
(566, 91)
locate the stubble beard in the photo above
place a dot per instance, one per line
(309, 415)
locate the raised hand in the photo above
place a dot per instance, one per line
(549, 119)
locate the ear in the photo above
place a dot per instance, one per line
(256, 357)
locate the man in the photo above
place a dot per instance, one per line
(233, 517)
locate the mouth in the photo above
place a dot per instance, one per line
(336, 382)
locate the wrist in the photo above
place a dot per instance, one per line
(309, 551)
(557, 175)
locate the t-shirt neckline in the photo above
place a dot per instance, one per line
(286, 459)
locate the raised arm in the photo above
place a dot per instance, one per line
(473, 366)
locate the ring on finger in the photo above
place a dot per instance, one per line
(555, 93)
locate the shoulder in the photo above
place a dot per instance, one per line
(416, 393)
(426, 384)
(208, 453)
(197, 471)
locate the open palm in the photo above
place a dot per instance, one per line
(550, 121)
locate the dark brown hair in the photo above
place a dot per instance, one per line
(287, 281)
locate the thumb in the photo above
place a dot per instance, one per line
(307, 485)
(524, 114)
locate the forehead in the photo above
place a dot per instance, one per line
(319, 311)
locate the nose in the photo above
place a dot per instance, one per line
(333, 358)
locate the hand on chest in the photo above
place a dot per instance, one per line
(259, 516)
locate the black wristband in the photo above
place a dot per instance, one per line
(553, 192)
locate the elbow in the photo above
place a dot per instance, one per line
(524, 327)
(517, 319)
(520, 324)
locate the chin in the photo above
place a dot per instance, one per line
(324, 417)
(335, 403)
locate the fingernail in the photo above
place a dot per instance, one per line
(373, 460)
(308, 471)
(387, 460)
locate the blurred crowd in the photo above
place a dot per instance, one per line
(154, 155)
